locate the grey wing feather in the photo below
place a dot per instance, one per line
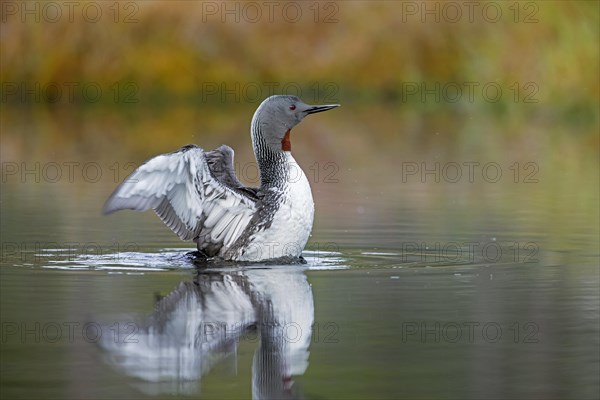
(184, 193)
(220, 164)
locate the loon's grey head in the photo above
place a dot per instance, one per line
(277, 115)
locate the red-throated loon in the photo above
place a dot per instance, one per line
(198, 196)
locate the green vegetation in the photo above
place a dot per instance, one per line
(526, 80)
(372, 52)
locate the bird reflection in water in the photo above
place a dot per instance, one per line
(200, 323)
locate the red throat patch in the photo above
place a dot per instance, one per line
(286, 143)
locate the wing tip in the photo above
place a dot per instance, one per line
(109, 207)
(225, 149)
(114, 204)
(106, 210)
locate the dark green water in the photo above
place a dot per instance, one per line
(415, 287)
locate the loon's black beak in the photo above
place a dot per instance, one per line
(316, 109)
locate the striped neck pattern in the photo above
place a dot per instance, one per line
(272, 163)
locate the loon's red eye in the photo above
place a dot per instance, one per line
(292, 107)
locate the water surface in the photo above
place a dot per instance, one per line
(416, 286)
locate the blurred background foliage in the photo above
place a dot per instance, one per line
(164, 55)
(169, 49)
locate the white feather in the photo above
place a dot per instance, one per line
(193, 195)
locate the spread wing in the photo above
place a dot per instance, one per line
(188, 197)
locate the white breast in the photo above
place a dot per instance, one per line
(292, 222)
